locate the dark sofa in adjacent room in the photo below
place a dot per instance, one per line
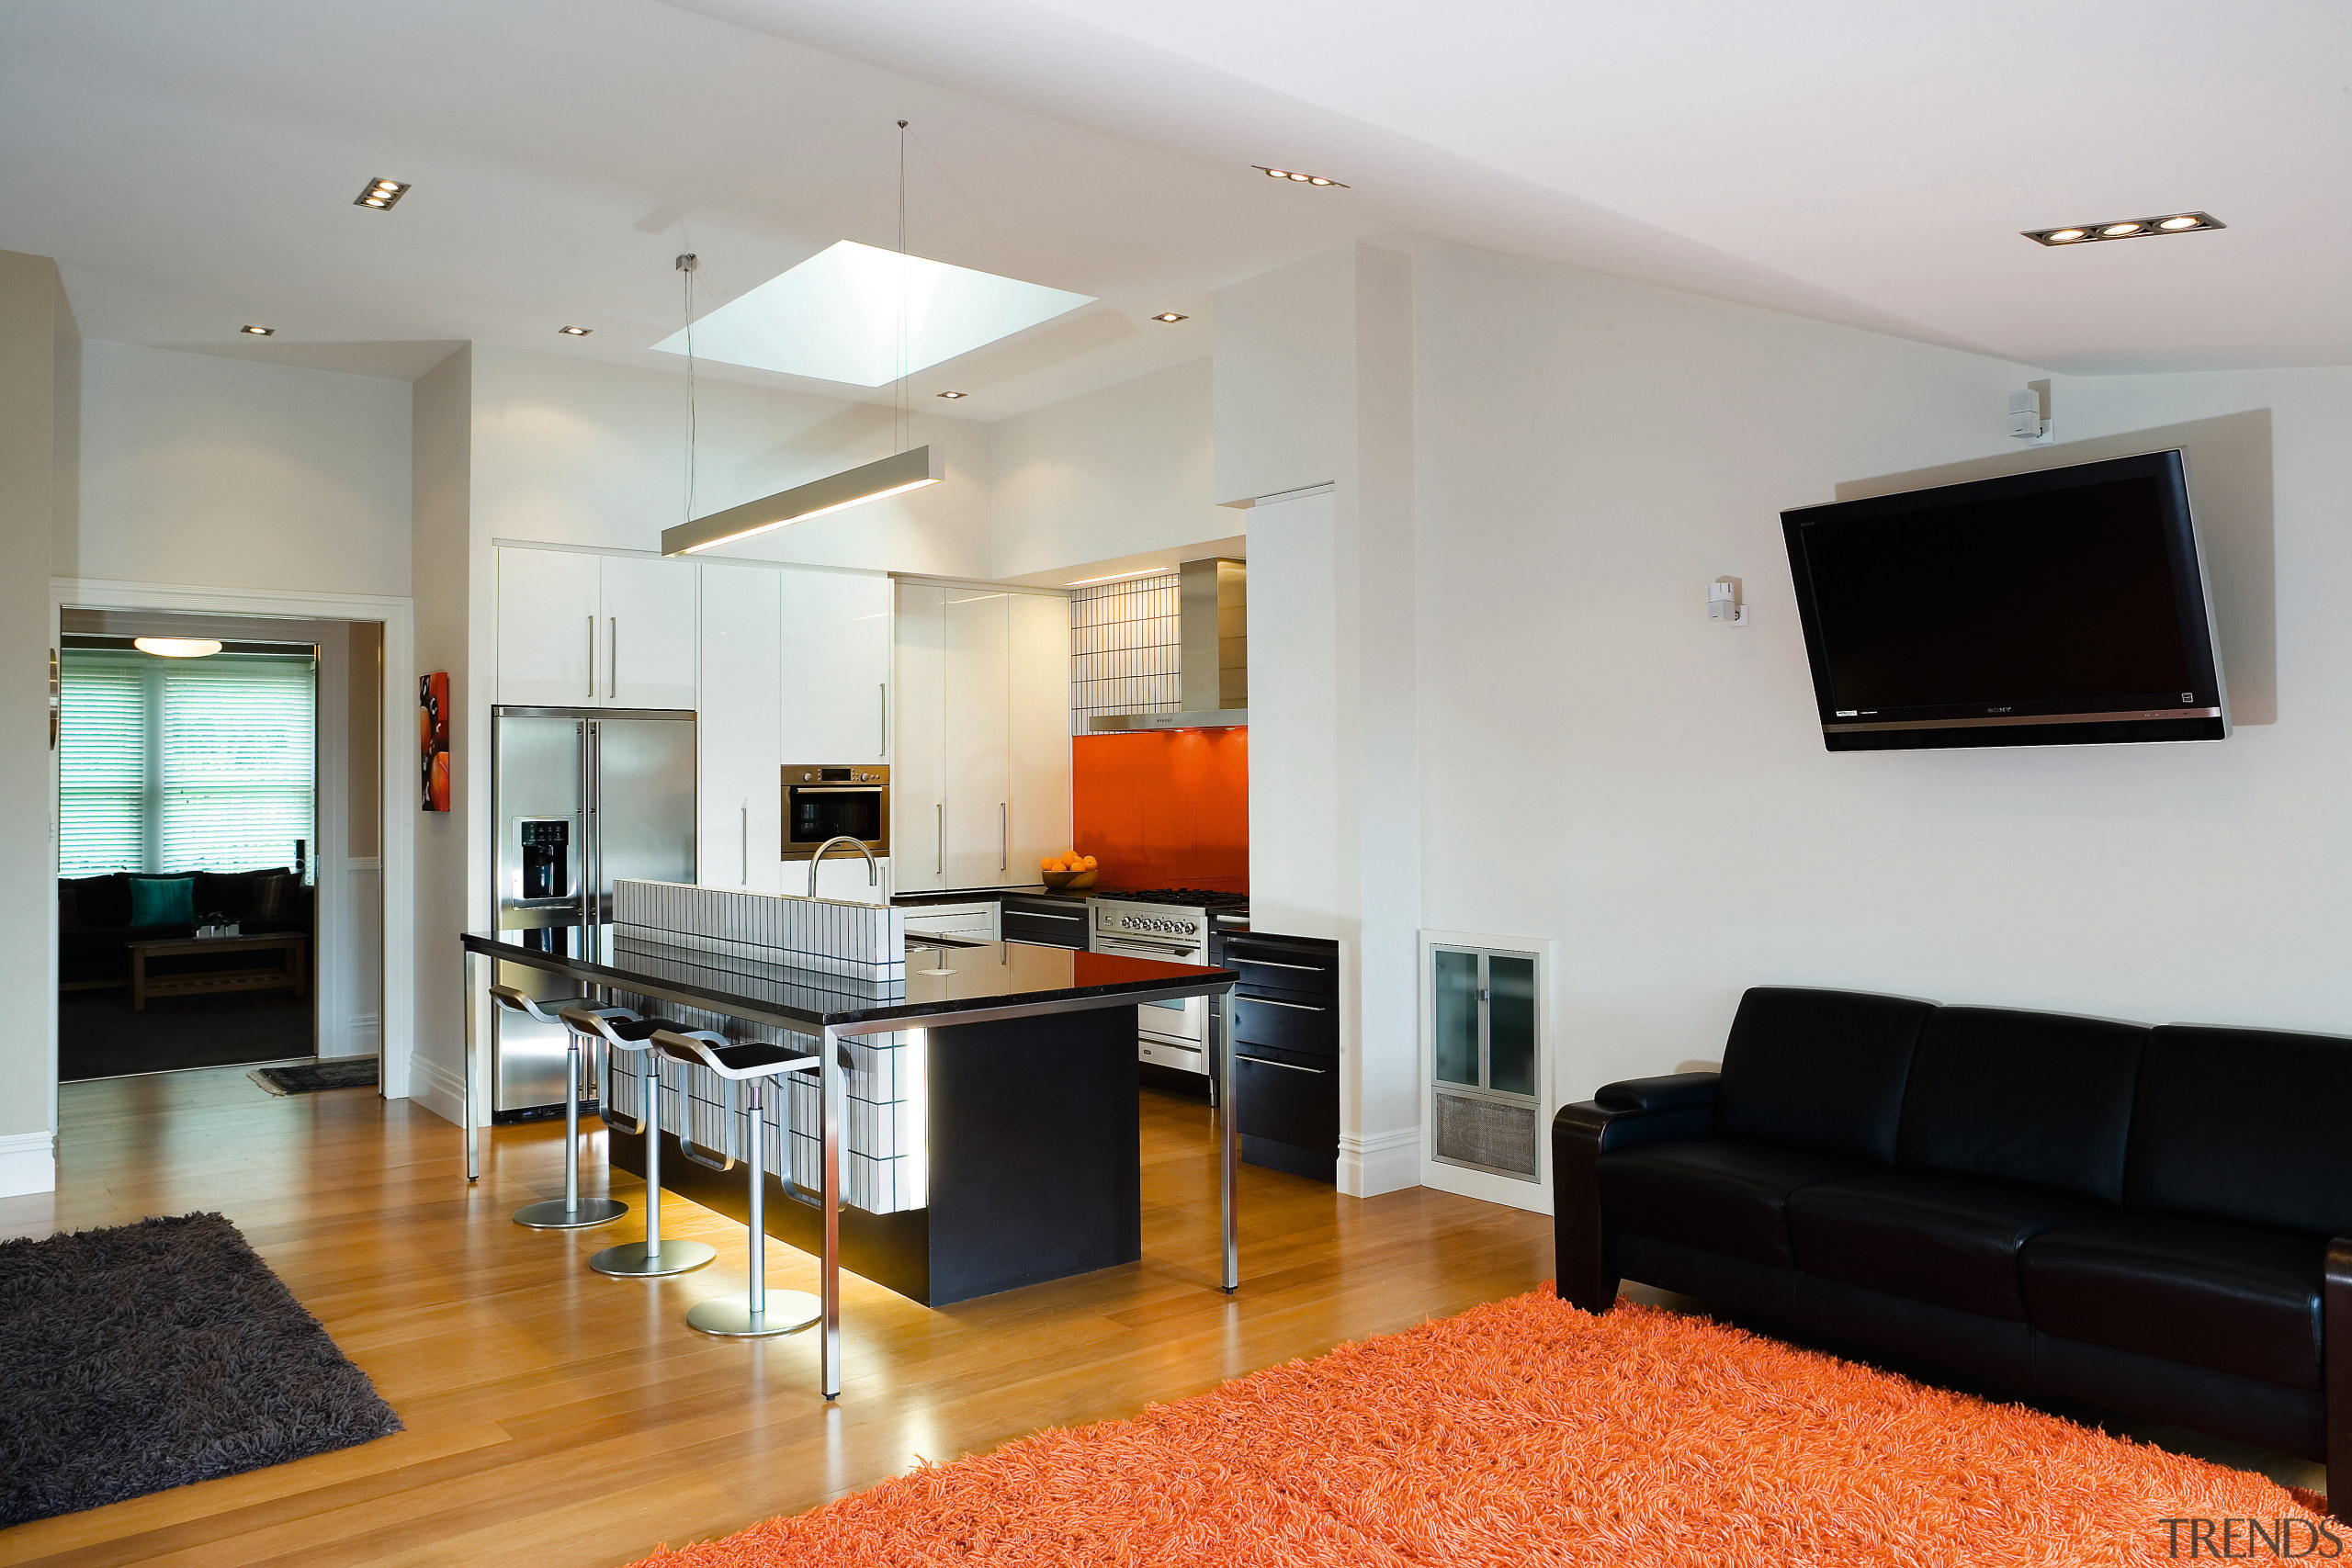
(94, 932)
(2155, 1221)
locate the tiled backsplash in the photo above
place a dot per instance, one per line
(1123, 646)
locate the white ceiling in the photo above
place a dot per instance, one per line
(193, 166)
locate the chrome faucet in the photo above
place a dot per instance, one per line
(873, 878)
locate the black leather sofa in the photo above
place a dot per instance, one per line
(2155, 1221)
(94, 932)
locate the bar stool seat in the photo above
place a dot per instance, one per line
(571, 1211)
(754, 1063)
(652, 1258)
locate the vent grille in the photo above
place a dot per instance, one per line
(1487, 1135)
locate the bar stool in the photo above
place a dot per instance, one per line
(653, 1257)
(754, 1063)
(569, 1212)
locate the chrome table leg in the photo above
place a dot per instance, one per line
(1229, 1132)
(474, 1069)
(829, 1080)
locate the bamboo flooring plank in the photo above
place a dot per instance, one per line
(575, 1420)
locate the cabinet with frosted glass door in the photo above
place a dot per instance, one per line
(1485, 1012)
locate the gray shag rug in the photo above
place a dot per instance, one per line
(156, 1354)
(308, 1077)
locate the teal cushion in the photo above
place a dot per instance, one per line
(163, 900)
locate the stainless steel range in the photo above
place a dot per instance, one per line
(1173, 925)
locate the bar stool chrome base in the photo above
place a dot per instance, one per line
(631, 1261)
(786, 1312)
(552, 1214)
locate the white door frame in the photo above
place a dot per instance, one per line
(397, 845)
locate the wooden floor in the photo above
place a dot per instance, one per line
(559, 1418)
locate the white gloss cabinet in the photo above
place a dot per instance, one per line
(579, 630)
(547, 608)
(837, 667)
(741, 731)
(918, 769)
(980, 786)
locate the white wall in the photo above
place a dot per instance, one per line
(1124, 472)
(1604, 765)
(575, 452)
(202, 470)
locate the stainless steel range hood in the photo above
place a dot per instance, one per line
(1213, 653)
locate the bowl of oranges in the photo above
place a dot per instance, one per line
(1070, 870)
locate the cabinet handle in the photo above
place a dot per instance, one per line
(1287, 1067)
(1003, 836)
(1041, 915)
(884, 689)
(591, 658)
(1269, 964)
(1270, 1002)
(613, 653)
(939, 838)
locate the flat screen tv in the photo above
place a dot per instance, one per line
(2059, 608)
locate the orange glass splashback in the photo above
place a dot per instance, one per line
(1165, 808)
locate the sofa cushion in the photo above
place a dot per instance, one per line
(1719, 1196)
(2220, 1296)
(163, 901)
(2244, 1126)
(1818, 1070)
(1932, 1238)
(2027, 1098)
(101, 903)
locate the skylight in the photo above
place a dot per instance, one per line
(836, 316)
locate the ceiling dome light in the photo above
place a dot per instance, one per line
(2115, 231)
(177, 647)
(2181, 223)
(2064, 235)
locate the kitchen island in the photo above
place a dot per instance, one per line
(1016, 1066)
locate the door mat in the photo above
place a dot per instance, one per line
(1529, 1432)
(308, 1077)
(156, 1354)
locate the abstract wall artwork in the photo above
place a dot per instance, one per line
(433, 733)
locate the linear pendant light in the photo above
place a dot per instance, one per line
(895, 475)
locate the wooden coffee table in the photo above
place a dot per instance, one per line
(289, 945)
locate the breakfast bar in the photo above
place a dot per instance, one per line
(987, 1091)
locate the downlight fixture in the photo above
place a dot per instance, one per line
(2126, 228)
(250, 330)
(380, 194)
(1170, 317)
(575, 331)
(177, 647)
(955, 394)
(1296, 177)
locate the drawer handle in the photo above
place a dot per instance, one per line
(1272, 964)
(1270, 1002)
(1262, 1062)
(1041, 915)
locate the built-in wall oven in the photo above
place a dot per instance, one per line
(822, 802)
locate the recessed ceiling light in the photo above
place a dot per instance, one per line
(380, 194)
(1170, 317)
(865, 316)
(953, 394)
(575, 331)
(258, 332)
(2125, 229)
(1294, 175)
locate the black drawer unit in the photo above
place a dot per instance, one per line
(1285, 1050)
(1044, 922)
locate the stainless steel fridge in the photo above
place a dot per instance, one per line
(579, 796)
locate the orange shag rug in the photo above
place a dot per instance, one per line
(1528, 1432)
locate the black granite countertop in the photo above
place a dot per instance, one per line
(942, 980)
(990, 896)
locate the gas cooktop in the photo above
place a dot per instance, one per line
(1188, 898)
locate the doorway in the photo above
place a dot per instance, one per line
(220, 892)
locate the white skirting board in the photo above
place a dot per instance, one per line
(438, 1090)
(28, 1163)
(1374, 1163)
(1533, 1196)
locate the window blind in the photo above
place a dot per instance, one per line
(172, 765)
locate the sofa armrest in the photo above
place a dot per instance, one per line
(1673, 1091)
(2335, 1371)
(1582, 1133)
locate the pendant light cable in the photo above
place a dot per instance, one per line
(687, 265)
